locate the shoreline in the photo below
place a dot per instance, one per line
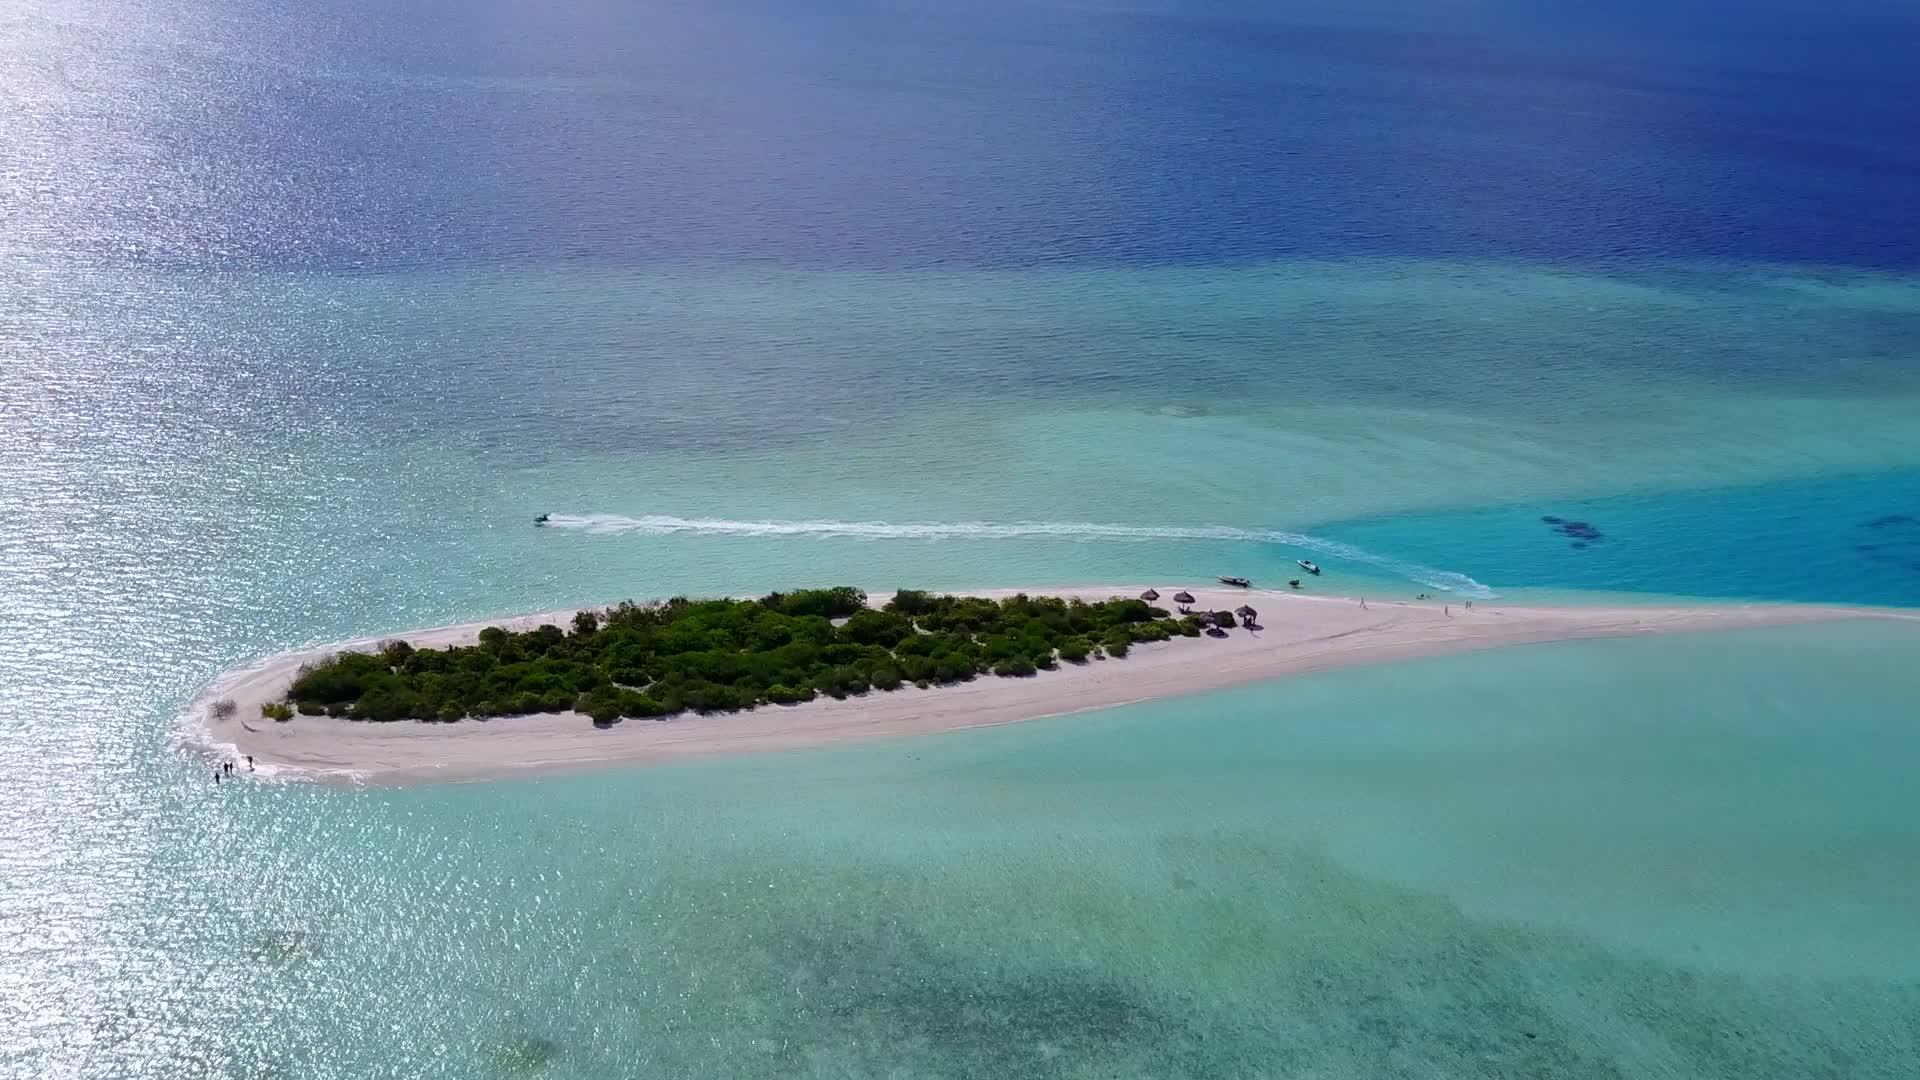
(1299, 634)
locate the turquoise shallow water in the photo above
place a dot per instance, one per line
(307, 306)
(1680, 858)
(1692, 857)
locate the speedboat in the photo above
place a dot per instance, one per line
(541, 520)
(1238, 582)
(1308, 566)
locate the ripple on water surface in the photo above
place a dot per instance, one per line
(1608, 859)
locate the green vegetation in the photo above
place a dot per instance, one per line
(656, 660)
(274, 710)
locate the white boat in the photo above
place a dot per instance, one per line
(1308, 566)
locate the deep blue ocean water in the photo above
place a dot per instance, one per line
(307, 307)
(354, 134)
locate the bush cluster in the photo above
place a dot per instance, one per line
(684, 655)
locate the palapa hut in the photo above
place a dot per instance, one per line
(1183, 597)
(1150, 595)
(1246, 613)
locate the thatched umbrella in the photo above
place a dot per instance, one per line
(1183, 597)
(1150, 595)
(1204, 618)
(1246, 613)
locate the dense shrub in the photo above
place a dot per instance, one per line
(870, 627)
(1149, 631)
(642, 705)
(1018, 667)
(782, 694)
(953, 669)
(651, 660)
(834, 603)
(910, 602)
(224, 708)
(276, 710)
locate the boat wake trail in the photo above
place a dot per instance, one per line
(666, 525)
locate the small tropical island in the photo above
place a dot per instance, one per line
(706, 656)
(427, 705)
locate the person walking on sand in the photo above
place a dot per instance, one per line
(249, 762)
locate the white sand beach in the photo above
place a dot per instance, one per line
(1296, 634)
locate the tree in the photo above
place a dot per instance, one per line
(717, 655)
(869, 627)
(910, 602)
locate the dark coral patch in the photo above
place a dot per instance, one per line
(1581, 532)
(1890, 540)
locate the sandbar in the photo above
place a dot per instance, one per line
(1297, 633)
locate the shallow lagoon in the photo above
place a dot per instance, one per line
(306, 309)
(1692, 856)
(1661, 859)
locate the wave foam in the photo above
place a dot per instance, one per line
(666, 525)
